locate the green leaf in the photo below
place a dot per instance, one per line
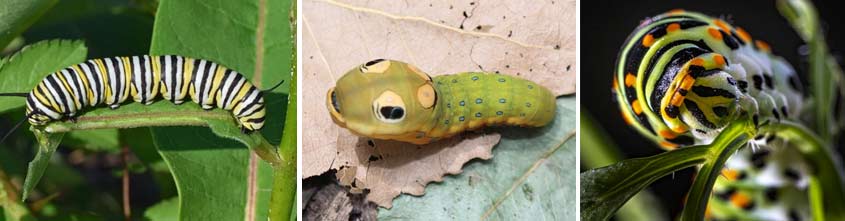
(166, 210)
(94, 140)
(47, 144)
(10, 207)
(218, 179)
(17, 15)
(531, 175)
(24, 70)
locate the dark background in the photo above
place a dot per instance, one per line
(606, 24)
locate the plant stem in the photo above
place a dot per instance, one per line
(283, 198)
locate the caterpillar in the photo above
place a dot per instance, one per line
(111, 81)
(393, 100)
(682, 77)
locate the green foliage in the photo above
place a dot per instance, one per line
(531, 174)
(22, 71)
(17, 15)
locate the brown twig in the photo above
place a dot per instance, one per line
(127, 210)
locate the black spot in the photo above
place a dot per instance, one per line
(758, 82)
(720, 111)
(461, 118)
(682, 140)
(335, 104)
(758, 159)
(528, 104)
(478, 114)
(682, 91)
(793, 215)
(499, 113)
(795, 83)
(727, 194)
(749, 206)
(462, 103)
(704, 91)
(770, 138)
(768, 79)
(759, 137)
(743, 86)
(783, 110)
(791, 174)
(373, 158)
(672, 111)
(756, 119)
(742, 175)
(392, 112)
(479, 100)
(776, 114)
(771, 193)
(701, 131)
(371, 63)
(446, 122)
(502, 100)
(731, 81)
(729, 40)
(371, 143)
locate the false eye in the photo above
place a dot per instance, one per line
(335, 104)
(392, 113)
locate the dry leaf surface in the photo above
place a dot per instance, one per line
(530, 39)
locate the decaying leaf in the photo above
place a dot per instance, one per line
(533, 40)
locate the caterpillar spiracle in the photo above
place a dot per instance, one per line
(683, 76)
(393, 100)
(111, 81)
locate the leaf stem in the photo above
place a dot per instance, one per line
(283, 198)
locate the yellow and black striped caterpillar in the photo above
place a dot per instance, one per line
(388, 99)
(682, 76)
(111, 81)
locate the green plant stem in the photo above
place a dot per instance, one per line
(726, 144)
(825, 167)
(283, 198)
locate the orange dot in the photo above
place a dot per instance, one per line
(742, 34)
(697, 62)
(627, 119)
(722, 25)
(762, 45)
(730, 174)
(648, 40)
(673, 27)
(676, 11)
(679, 129)
(615, 84)
(714, 33)
(740, 200)
(668, 145)
(630, 80)
(720, 60)
(668, 134)
(636, 106)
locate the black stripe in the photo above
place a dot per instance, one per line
(45, 94)
(59, 95)
(97, 84)
(143, 90)
(704, 91)
(671, 69)
(256, 120)
(249, 105)
(79, 87)
(201, 95)
(698, 114)
(231, 90)
(758, 82)
(682, 140)
(729, 40)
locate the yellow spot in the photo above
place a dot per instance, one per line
(627, 118)
(676, 11)
(615, 83)
(668, 145)
(425, 95)
(648, 40)
(714, 33)
(636, 106)
(720, 60)
(673, 27)
(630, 80)
(730, 174)
(743, 35)
(697, 62)
(763, 45)
(668, 134)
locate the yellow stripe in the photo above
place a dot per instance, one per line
(84, 77)
(69, 90)
(132, 90)
(187, 74)
(127, 80)
(218, 79)
(156, 63)
(105, 74)
(48, 97)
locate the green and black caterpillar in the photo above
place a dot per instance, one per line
(393, 100)
(111, 81)
(682, 77)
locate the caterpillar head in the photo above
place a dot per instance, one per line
(383, 99)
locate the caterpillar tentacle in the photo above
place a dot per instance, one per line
(112, 81)
(394, 100)
(682, 77)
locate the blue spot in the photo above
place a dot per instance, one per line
(454, 80)
(478, 114)
(501, 100)
(461, 118)
(528, 104)
(530, 86)
(462, 103)
(499, 113)
(501, 80)
(474, 78)
(448, 105)
(478, 100)
(446, 122)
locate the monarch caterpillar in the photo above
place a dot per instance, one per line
(682, 76)
(111, 81)
(393, 100)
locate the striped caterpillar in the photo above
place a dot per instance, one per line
(111, 81)
(682, 77)
(393, 100)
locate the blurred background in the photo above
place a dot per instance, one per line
(606, 24)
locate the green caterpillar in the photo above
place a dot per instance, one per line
(683, 76)
(393, 100)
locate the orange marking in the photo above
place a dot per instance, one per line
(636, 106)
(630, 80)
(627, 119)
(615, 84)
(730, 174)
(722, 25)
(762, 45)
(697, 62)
(742, 34)
(668, 134)
(676, 11)
(680, 129)
(720, 60)
(648, 40)
(673, 27)
(740, 200)
(714, 33)
(668, 145)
